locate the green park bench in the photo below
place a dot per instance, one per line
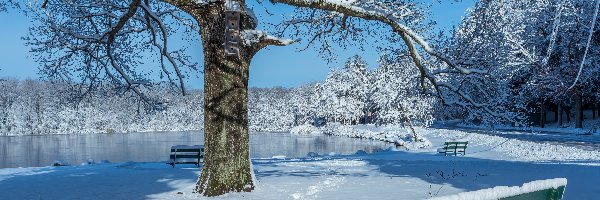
(547, 194)
(186, 154)
(550, 189)
(453, 148)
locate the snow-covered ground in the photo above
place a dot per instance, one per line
(418, 173)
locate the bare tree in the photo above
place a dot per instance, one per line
(101, 40)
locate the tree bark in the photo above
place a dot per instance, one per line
(568, 114)
(555, 110)
(593, 113)
(560, 115)
(226, 166)
(542, 114)
(578, 112)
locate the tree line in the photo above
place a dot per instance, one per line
(45, 107)
(351, 94)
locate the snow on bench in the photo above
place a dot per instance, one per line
(541, 189)
(454, 147)
(186, 154)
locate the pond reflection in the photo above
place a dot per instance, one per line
(41, 150)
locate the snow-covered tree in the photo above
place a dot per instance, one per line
(396, 94)
(305, 101)
(270, 109)
(530, 49)
(345, 92)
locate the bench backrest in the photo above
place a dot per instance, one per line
(456, 143)
(551, 189)
(187, 148)
(551, 194)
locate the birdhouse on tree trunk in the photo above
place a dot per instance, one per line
(232, 28)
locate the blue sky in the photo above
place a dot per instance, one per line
(274, 66)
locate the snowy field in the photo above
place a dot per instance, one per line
(390, 174)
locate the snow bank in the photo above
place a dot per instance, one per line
(359, 131)
(568, 128)
(390, 134)
(518, 150)
(306, 129)
(505, 191)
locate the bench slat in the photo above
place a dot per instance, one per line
(180, 160)
(188, 162)
(187, 146)
(185, 156)
(187, 150)
(447, 143)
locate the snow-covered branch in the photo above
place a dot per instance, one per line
(377, 11)
(259, 39)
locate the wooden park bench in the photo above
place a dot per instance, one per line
(454, 147)
(186, 154)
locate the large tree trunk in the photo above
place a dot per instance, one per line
(226, 166)
(578, 111)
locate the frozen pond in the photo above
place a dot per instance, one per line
(41, 150)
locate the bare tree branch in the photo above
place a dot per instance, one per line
(111, 34)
